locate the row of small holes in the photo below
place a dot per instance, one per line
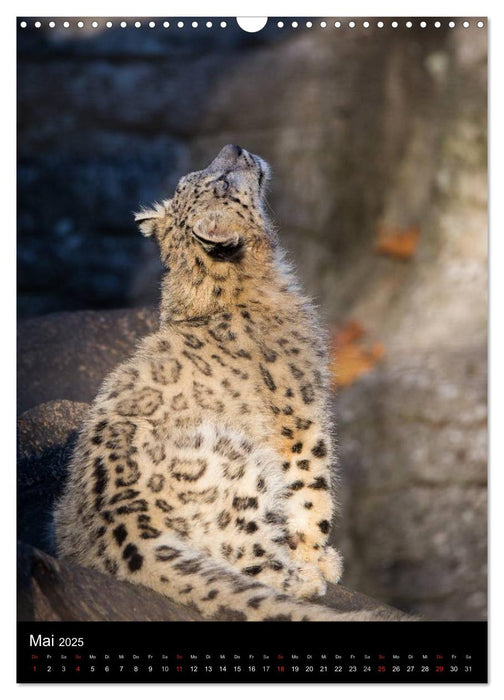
(380, 24)
(81, 24)
(280, 24)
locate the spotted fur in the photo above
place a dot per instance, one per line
(204, 467)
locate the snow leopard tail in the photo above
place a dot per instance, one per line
(218, 591)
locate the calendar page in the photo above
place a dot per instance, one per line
(252, 335)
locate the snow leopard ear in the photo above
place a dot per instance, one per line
(153, 221)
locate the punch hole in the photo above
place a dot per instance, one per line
(323, 25)
(152, 25)
(351, 25)
(52, 25)
(380, 25)
(67, 24)
(250, 24)
(437, 24)
(295, 25)
(365, 25)
(451, 24)
(180, 25)
(166, 25)
(194, 25)
(466, 25)
(337, 25)
(280, 25)
(37, 25)
(80, 24)
(481, 24)
(209, 25)
(409, 25)
(223, 25)
(124, 25)
(23, 25)
(423, 24)
(309, 25)
(395, 24)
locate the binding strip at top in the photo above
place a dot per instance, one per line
(285, 23)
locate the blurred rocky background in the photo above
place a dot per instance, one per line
(377, 140)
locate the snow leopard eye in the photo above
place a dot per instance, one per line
(221, 186)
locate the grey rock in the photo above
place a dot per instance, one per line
(57, 590)
(46, 436)
(437, 567)
(66, 356)
(48, 426)
(413, 451)
(418, 419)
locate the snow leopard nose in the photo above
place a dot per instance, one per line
(226, 159)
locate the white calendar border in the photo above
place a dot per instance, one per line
(314, 8)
